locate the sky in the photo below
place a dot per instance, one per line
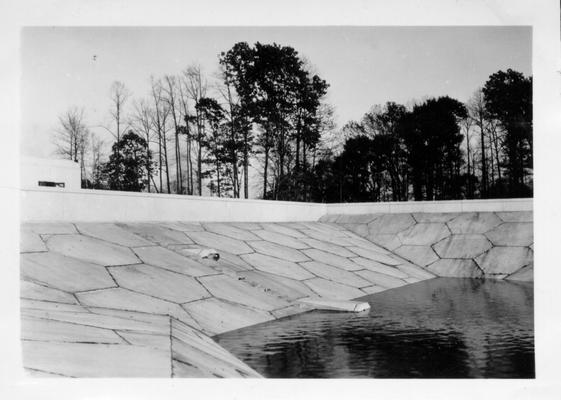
(75, 66)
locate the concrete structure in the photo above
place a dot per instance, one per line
(35, 170)
(470, 244)
(107, 291)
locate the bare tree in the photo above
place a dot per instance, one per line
(170, 90)
(143, 122)
(159, 120)
(71, 137)
(477, 112)
(196, 87)
(96, 148)
(119, 95)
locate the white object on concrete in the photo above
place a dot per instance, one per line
(336, 305)
(66, 173)
(204, 253)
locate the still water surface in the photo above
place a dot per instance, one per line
(440, 328)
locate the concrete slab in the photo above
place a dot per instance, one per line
(456, 268)
(333, 290)
(388, 241)
(416, 271)
(335, 274)
(294, 309)
(375, 255)
(329, 247)
(286, 288)
(219, 242)
(419, 255)
(127, 300)
(50, 228)
(112, 233)
(373, 289)
(158, 282)
(285, 229)
(230, 289)
(277, 266)
(33, 291)
(525, 274)
(230, 231)
(157, 233)
(217, 316)
(332, 259)
(96, 360)
(279, 238)
(278, 251)
(248, 226)
(516, 216)
(504, 260)
(356, 218)
(462, 246)
(30, 242)
(64, 273)
(161, 342)
(49, 306)
(91, 250)
(56, 331)
(512, 234)
(476, 222)
(391, 223)
(170, 260)
(382, 280)
(379, 267)
(424, 234)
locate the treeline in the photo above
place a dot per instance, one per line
(263, 118)
(440, 149)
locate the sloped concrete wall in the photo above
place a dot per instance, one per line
(135, 299)
(495, 245)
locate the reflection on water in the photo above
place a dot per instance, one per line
(441, 328)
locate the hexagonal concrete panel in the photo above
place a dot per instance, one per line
(91, 250)
(335, 274)
(512, 234)
(525, 274)
(476, 222)
(158, 282)
(332, 259)
(64, 273)
(33, 291)
(229, 231)
(423, 234)
(391, 223)
(381, 268)
(333, 290)
(382, 280)
(168, 259)
(279, 238)
(230, 289)
(389, 241)
(457, 268)
(50, 228)
(157, 233)
(277, 266)
(504, 260)
(219, 242)
(420, 255)
(285, 287)
(462, 246)
(112, 233)
(276, 250)
(329, 247)
(284, 229)
(375, 255)
(516, 216)
(30, 242)
(217, 316)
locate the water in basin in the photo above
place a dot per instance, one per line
(440, 328)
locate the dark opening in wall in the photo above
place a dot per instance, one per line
(51, 184)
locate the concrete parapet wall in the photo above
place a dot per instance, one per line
(54, 204)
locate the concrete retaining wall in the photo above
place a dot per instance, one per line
(55, 204)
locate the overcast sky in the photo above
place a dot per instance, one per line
(65, 67)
